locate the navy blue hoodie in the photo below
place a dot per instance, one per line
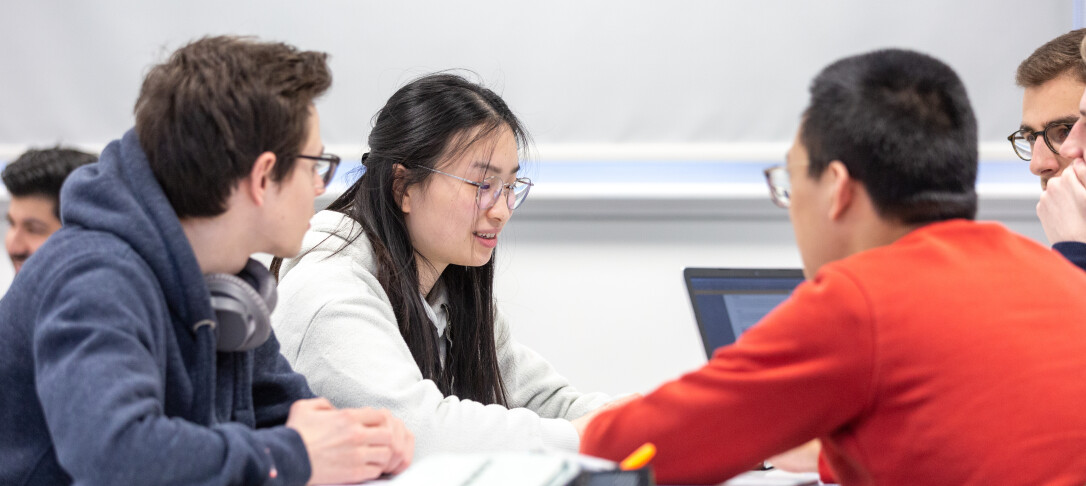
(103, 379)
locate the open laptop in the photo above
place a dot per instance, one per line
(728, 301)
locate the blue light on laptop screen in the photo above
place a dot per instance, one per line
(728, 306)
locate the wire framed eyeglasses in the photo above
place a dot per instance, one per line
(489, 190)
(780, 185)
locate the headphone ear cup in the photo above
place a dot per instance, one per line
(244, 319)
(265, 283)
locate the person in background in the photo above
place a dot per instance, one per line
(1054, 78)
(33, 180)
(924, 348)
(135, 348)
(1066, 194)
(391, 300)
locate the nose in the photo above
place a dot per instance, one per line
(1044, 162)
(500, 210)
(15, 242)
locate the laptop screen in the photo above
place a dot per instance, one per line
(728, 301)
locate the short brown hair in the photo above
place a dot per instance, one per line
(207, 113)
(1055, 58)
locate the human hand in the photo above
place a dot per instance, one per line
(1062, 208)
(580, 423)
(402, 445)
(801, 459)
(350, 445)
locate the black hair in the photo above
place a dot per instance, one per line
(901, 122)
(206, 114)
(431, 120)
(41, 172)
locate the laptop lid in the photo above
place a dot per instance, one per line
(728, 301)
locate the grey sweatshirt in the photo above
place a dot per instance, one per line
(336, 326)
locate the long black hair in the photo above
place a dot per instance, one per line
(432, 119)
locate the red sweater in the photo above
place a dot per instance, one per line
(956, 355)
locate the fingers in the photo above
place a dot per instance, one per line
(377, 456)
(402, 446)
(309, 404)
(408, 452)
(371, 435)
(370, 416)
(1062, 206)
(1080, 170)
(366, 441)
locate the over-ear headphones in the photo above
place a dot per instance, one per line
(243, 304)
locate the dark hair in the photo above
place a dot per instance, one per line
(1055, 58)
(207, 113)
(900, 121)
(430, 120)
(41, 172)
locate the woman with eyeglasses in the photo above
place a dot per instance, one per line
(390, 303)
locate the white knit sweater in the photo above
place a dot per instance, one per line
(336, 327)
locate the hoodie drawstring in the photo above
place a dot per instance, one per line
(204, 377)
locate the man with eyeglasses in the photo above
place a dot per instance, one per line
(136, 347)
(1054, 78)
(924, 348)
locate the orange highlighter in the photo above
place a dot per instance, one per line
(639, 457)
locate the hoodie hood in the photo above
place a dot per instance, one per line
(136, 210)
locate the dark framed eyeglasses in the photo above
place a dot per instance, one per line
(325, 168)
(491, 189)
(780, 185)
(1053, 135)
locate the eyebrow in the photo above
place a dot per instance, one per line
(1066, 119)
(485, 165)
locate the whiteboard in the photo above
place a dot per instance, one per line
(591, 79)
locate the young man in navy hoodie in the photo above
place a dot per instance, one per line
(114, 361)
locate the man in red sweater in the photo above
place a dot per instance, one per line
(925, 348)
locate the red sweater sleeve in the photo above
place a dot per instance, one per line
(825, 472)
(803, 371)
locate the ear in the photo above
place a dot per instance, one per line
(842, 189)
(259, 180)
(399, 174)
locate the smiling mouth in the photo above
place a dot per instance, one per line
(487, 236)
